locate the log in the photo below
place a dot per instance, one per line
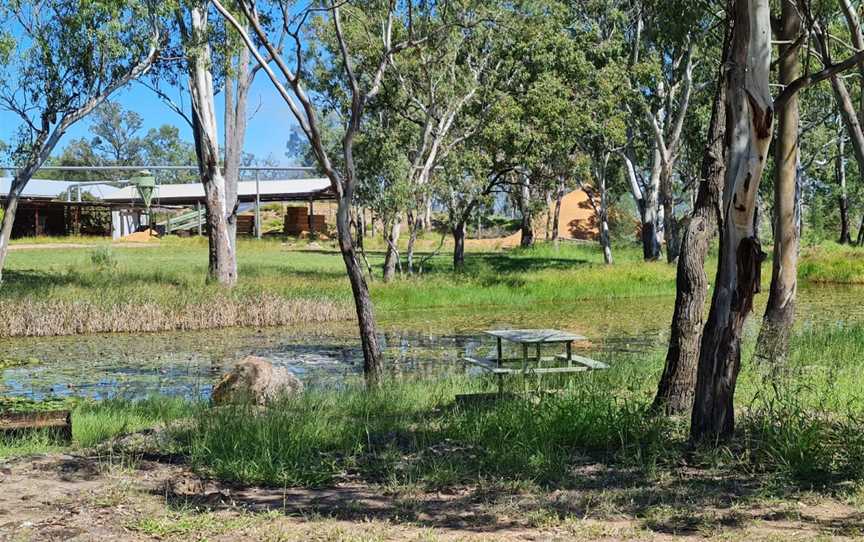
(58, 421)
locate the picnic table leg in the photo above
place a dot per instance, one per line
(569, 353)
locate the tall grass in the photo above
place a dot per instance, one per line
(414, 432)
(804, 424)
(96, 422)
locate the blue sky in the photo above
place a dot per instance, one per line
(269, 127)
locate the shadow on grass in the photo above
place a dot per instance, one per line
(701, 503)
(30, 282)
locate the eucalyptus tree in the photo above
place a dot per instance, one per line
(792, 34)
(750, 129)
(362, 77)
(207, 59)
(467, 181)
(116, 139)
(750, 122)
(424, 94)
(58, 62)
(437, 81)
(194, 27)
(780, 310)
(677, 383)
(543, 88)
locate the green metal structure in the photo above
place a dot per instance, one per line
(145, 183)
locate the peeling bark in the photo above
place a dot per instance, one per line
(222, 260)
(773, 341)
(678, 382)
(749, 131)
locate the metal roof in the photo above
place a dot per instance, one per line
(276, 190)
(51, 189)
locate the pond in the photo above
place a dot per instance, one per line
(425, 342)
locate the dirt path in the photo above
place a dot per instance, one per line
(78, 497)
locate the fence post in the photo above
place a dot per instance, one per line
(257, 204)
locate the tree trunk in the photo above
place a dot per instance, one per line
(650, 244)
(670, 228)
(860, 239)
(677, 385)
(750, 121)
(840, 165)
(391, 257)
(548, 230)
(236, 99)
(459, 246)
(556, 216)
(773, 341)
(527, 229)
(9, 213)
(222, 262)
(373, 367)
(413, 227)
(605, 241)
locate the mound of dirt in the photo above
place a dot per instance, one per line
(143, 236)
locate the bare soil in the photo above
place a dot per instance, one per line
(86, 497)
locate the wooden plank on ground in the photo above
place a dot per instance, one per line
(59, 420)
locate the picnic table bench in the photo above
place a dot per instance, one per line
(534, 365)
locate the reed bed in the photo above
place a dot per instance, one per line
(44, 318)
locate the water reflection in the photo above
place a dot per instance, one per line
(414, 342)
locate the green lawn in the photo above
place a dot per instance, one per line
(162, 287)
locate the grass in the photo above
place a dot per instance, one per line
(96, 422)
(803, 425)
(801, 429)
(832, 263)
(123, 289)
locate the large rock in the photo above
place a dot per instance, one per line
(257, 380)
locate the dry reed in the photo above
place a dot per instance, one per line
(63, 317)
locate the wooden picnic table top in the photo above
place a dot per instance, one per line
(535, 336)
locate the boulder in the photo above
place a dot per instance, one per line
(257, 380)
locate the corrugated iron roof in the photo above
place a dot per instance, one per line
(269, 190)
(51, 189)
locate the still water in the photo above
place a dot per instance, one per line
(417, 342)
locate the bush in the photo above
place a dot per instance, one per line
(103, 257)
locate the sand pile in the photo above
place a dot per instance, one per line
(143, 236)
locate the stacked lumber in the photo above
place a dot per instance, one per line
(245, 225)
(297, 221)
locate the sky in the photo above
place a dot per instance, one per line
(269, 127)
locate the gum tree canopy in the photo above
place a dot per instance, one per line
(58, 62)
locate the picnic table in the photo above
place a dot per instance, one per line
(534, 365)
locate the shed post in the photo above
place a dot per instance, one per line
(200, 221)
(257, 204)
(311, 212)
